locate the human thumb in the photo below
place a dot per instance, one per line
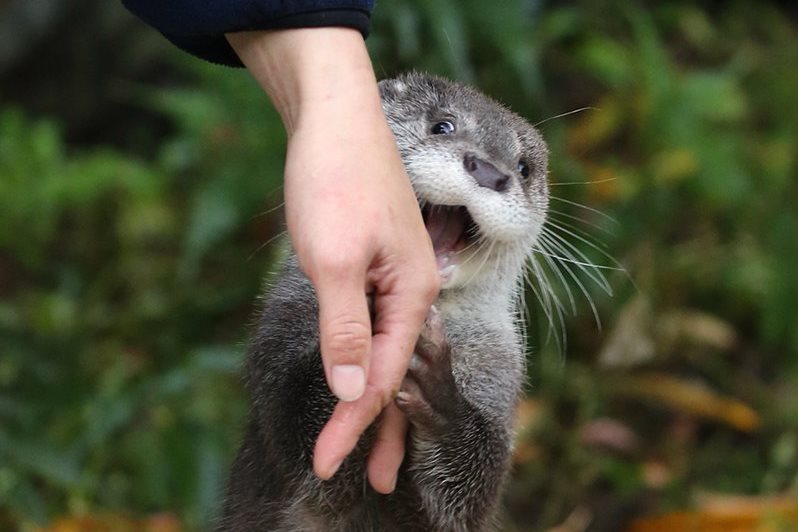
(345, 336)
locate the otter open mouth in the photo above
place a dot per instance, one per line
(451, 229)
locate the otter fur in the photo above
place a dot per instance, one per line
(480, 175)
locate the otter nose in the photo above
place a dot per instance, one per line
(484, 173)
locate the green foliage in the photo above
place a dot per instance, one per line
(126, 284)
(689, 145)
(125, 291)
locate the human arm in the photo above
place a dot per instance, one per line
(355, 224)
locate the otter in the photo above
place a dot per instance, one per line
(479, 172)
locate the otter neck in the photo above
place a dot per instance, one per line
(493, 296)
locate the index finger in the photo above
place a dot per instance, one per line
(390, 357)
(341, 433)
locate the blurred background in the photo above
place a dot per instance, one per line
(139, 201)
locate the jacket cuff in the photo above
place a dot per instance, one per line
(216, 49)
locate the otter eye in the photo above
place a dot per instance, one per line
(443, 128)
(523, 168)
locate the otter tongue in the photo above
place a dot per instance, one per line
(445, 226)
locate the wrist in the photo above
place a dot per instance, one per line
(309, 70)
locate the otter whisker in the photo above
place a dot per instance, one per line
(272, 209)
(558, 273)
(572, 254)
(550, 302)
(545, 284)
(485, 256)
(571, 231)
(585, 207)
(586, 238)
(260, 248)
(543, 301)
(555, 216)
(579, 263)
(551, 231)
(509, 262)
(480, 242)
(569, 269)
(564, 183)
(561, 245)
(568, 113)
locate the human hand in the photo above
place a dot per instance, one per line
(356, 228)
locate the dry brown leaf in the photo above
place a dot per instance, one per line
(685, 326)
(727, 513)
(529, 414)
(689, 397)
(656, 474)
(164, 522)
(578, 521)
(108, 522)
(724, 503)
(641, 333)
(630, 342)
(609, 434)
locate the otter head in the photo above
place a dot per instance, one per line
(478, 170)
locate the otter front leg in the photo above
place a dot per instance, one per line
(458, 456)
(429, 395)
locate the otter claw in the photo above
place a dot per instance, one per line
(432, 340)
(428, 392)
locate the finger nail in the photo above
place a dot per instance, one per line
(348, 382)
(393, 483)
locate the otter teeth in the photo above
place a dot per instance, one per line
(447, 264)
(446, 273)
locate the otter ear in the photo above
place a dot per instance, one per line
(390, 89)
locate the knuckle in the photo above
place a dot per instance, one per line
(337, 261)
(381, 396)
(387, 395)
(348, 336)
(430, 285)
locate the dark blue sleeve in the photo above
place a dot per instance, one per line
(198, 26)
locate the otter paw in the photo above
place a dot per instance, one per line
(429, 395)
